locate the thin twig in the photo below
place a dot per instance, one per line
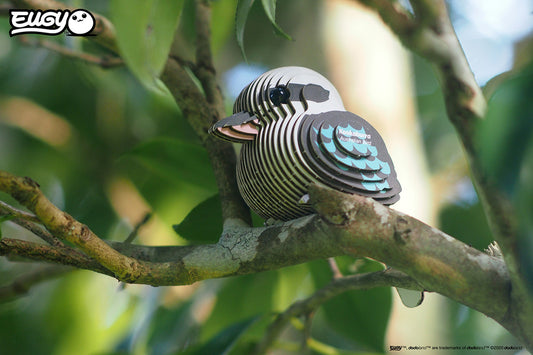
(15, 248)
(204, 68)
(105, 61)
(39, 232)
(29, 221)
(21, 286)
(138, 226)
(337, 274)
(6, 209)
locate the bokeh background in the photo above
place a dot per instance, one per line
(108, 149)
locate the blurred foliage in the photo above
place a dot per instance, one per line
(77, 129)
(506, 140)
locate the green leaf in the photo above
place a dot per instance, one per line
(174, 159)
(258, 294)
(224, 341)
(241, 15)
(270, 9)
(144, 34)
(222, 22)
(239, 298)
(194, 227)
(169, 328)
(360, 317)
(507, 131)
(506, 148)
(467, 223)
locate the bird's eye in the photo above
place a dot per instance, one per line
(280, 95)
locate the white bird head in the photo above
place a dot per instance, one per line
(288, 92)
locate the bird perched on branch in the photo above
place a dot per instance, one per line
(295, 131)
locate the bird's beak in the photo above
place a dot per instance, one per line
(239, 128)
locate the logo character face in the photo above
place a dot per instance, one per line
(80, 22)
(51, 22)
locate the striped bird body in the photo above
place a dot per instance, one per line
(296, 131)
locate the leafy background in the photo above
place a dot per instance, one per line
(110, 145)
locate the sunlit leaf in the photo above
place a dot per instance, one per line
(221, 25)
(144, 34)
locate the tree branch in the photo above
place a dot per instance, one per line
(6, 209)
(345, 224)
(202, 110)
(14, 248)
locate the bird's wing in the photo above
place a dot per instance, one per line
(239, 128)
(348, 154)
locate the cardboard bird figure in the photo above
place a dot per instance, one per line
(295, 131)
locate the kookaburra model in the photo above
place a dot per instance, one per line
(295, 131)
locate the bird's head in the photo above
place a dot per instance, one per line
(277, 94)
(286, 92)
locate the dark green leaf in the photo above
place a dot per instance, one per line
(466, 223)
(241, 15)
(259, 294)
(173, 159)
(240, 298)
(507, 130)
(356, 319)
(195, 227)
(172, 328)
(466, 324)
(506, 148)
(224, 341)
(270, 9)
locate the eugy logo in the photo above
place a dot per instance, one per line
(51, 22)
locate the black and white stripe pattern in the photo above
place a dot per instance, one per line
(295, 131)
